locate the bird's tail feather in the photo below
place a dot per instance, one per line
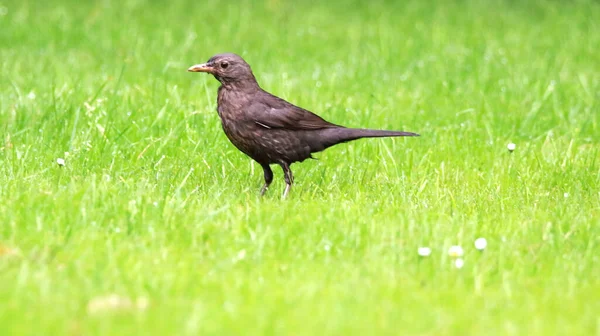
(358, 133)
(333, 136)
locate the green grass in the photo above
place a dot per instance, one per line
(155, 203)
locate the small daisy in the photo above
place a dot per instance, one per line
(424, 251)
(480, 244)
(455, 251)
(459, 263)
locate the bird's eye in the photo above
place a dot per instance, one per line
(224, 65)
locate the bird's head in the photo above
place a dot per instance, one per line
(227, 68)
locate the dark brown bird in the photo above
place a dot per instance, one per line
(269, 129)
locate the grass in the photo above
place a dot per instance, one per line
(155, 203)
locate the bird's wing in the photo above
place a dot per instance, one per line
(270, 111)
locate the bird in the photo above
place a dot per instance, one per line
(269, 129)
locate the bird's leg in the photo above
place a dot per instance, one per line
(268, 178)
(289, 178)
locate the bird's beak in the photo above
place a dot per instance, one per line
(201, 68)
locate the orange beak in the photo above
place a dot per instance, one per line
(200, 68)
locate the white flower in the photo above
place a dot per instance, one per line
(511, 146)
(241, 255)
(424, 251)
(566, 195)
(114, 302)
(60, 162)
(459, 263)
(480, 244)
(455, 251)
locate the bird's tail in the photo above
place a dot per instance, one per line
(333, 136)
(349, 134)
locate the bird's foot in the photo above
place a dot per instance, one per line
(287, 190)
(264, 189)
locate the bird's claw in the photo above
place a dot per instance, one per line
(264, 189)
(286, 191)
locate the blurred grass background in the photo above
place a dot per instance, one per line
(155, 204)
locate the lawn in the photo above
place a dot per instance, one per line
(154, 225)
